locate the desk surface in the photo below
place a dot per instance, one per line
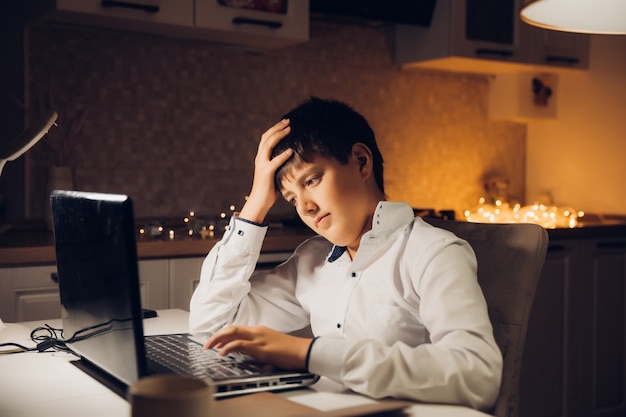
(33, 384)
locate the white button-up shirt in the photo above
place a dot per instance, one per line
(406, 318)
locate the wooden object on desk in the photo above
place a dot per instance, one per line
(266, 404)
(262, 404)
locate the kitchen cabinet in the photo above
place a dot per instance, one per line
(162, 17)
(254, 27)
(184, 278)
(486, 36)
(486, 30)
(556, 49)
(205, 20)
(31, 292)
(153, 283)
(575, 355)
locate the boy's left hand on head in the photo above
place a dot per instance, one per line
(264, 344)
(263, 194)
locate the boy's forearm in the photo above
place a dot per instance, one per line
(254, 211)
(224, 276)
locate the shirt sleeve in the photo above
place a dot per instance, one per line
(225, 294)
(462, 363)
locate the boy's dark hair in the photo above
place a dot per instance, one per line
(326, 128)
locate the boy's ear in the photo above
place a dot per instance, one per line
(362, 154)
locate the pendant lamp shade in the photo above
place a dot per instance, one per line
(584, 16)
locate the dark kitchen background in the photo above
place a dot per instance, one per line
(175, 123)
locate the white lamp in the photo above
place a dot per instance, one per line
(584, 16)
(16, 147)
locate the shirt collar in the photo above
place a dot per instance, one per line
(388, 216)
(336, 253)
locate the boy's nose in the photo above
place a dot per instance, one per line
(307, 207)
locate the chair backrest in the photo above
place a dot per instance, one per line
(510, 258)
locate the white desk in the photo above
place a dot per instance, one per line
(37, 384)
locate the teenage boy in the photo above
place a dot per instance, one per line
(394, 303)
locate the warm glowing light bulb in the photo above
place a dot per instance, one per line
(501, 212)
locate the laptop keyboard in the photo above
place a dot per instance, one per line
(183, 356)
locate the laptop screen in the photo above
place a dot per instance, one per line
(96, 257)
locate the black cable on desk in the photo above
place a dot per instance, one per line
(17, 345)
(47, 337)
(44, 342)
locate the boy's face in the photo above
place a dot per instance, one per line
(334, 200)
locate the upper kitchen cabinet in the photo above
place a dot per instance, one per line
(485, 36)
(257, 24)
(153, 16)
(269, 23)
(556, 48)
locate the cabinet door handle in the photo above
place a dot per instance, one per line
(148, 8)
(499, 52)
(611, 245)
(555, 248)
(54, 276)
(562, 59)
(258, 22)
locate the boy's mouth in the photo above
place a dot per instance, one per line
(320, 221)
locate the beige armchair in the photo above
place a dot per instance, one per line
(510, 259)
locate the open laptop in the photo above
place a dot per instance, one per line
(96, 252)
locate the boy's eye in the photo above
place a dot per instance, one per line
(311, 181)
(292, 201)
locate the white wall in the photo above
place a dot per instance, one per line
(580, 158)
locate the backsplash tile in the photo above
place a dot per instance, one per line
(175, 123)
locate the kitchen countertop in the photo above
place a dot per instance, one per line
(30, 245)
(593, 226)
(22, 246)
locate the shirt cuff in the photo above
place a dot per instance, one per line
(244, 235)
(327, 357)
(251, 222)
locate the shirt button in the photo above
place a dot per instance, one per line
(353, 274)
(339, 325)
